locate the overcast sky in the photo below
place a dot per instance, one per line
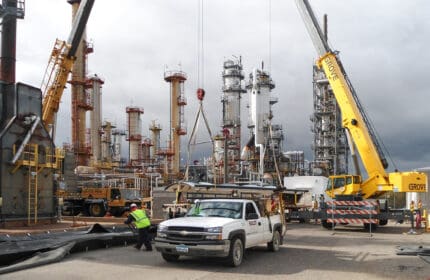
(383, 44)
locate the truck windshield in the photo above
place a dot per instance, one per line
(130, 194)
(223, 209)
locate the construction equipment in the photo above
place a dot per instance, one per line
(60, 65)
(359, 132)
(97, 201)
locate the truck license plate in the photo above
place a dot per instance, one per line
(182, 249)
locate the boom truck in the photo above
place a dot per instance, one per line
(222, 221)
(352, 196)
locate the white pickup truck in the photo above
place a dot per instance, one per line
(219, 228)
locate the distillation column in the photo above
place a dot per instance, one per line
(260, 101)
(177, 119)
(95, 85)
(146, 153)
(117, 135)
(232, 89)
(155, 129)
(134, 124)
(106, 142)
(80, 100)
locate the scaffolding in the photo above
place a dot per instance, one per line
(330, 145)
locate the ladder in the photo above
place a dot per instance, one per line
(31, 156)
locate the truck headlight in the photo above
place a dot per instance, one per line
(214, 230)
(215, 233)
(161, 231)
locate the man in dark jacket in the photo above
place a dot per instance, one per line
(142, 223)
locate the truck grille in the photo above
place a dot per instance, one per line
(179, 237)
(192, 229)
(179, 233)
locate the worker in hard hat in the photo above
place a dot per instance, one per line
(142, 223)
(412, 211)
(418, 213)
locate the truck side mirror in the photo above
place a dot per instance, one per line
(252, 216)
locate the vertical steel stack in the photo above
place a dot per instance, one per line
(134, 124)
(80, 100)
(177, 118)
(232, 76)
(95, 84)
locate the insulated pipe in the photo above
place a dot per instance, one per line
(261, 170)
(26, 139)
(225, 159)
(7, 126)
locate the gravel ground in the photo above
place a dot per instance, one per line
(309, 252)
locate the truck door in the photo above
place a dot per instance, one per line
(254, 228)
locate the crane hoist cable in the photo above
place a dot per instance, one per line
(270, 35)
(200, 86)
(200, 112)
(200, 44)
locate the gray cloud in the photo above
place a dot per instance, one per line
(383, 45)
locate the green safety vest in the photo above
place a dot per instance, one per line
(140, 218)
(197, 210)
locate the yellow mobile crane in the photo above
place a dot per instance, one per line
(359, 133)
(60, 65)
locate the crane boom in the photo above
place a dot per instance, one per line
(60, 65)
(78, 26)
(357, 125)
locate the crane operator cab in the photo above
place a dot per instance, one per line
(343, 185)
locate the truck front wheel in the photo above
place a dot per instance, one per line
(170, 257)
(97, 210)
(275, 243)
(235, 255)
